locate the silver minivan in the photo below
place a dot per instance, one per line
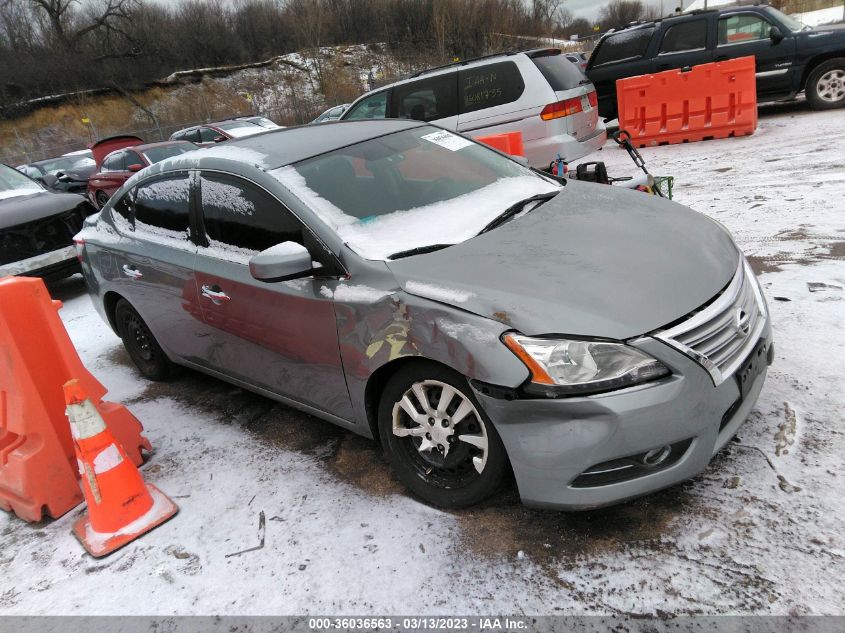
(539, 93)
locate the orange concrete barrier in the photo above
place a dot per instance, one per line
(121, 507)
(38, 470)
(509, 143)
(717, 100)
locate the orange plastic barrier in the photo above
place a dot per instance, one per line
(709, 101)
(509, 143)
(38, 470)
(121, 507)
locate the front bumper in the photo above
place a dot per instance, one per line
(52, 265)
(551, 443)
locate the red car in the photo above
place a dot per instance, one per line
(211, 133)
(115, 166)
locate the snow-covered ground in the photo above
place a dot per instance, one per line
(822, 16)
(762, 530)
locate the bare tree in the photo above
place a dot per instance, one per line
(621, 12)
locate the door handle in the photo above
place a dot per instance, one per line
(131, 271)
(218, 297)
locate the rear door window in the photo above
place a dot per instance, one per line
(162, 207)
(426, 99)
(207, 135)
(372, 107)
(489, 86)
(559, 71)
(113, 162)
(743, 27)
(627, 45)
(686, 36)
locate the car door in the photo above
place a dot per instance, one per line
(282, 336)
(748, 33)
(493, 94)
(112, 173)
(428, 99)
(683, 43)
(155, 261)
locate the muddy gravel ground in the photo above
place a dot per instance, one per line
(760, 531)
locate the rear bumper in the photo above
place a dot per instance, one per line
(53, 265)
(542, 151)
(556, 446)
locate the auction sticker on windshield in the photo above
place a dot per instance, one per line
(448, 140)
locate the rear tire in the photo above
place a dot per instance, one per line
(140, 343)
(447, 452)
(825, 87)
(101, 198)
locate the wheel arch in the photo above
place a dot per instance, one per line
(110, 300)
(814, 62)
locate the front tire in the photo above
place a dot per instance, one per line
(825, 88)
(440, 443)
(140, 343)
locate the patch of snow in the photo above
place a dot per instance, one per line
(447, 222)
(438, 293)
(14, 193)
(225, 198)
(354, 293)
(822, 16)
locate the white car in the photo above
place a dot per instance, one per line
(539, 93)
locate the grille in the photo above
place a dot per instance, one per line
(40, 236)
(721, 335)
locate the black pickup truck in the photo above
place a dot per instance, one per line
(790, 57)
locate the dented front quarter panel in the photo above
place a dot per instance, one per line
(374, 331)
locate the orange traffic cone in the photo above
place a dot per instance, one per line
(121, 507)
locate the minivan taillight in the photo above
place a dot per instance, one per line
(594, 99)
(561, 109)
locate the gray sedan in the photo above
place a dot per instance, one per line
(474, 315)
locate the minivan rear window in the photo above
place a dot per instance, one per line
(489, 86)
(561, 73)
(625, 45)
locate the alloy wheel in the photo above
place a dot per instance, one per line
(445, 437)
(831, 86)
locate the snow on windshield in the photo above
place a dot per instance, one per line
(445, 222)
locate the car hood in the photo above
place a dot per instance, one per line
(594, 261)
(42, 204)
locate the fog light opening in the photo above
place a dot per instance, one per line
(657, 456)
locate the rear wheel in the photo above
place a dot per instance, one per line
(440, 444)
(142, 346)
(101, 198)
(825, 88)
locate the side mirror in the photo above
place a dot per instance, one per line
(219, 139)
(776, 35)
(134, 168)
(49, 180)
(281, 262)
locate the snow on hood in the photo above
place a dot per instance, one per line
(15, 193)
(447, 222)
(593, 261)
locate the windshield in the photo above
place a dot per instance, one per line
(66, 164)
(789, 22)
(13, 183)
(156, 154)
(410, 189)
(241, 128)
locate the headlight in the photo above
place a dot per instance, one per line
(563, 366)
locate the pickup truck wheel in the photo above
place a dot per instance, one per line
(826, 85)
(142, 346)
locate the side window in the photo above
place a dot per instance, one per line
(162, 207)
(207, 135)
(132, 158)
(686, 36)
(113, 162)
(122, 212)
(744, 27)
(373, 107)
(625, 45)
(191, 135)
(427, 99)
(490, 85)
(239, 216)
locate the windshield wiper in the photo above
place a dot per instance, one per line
(517, 208)
(419, 250)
